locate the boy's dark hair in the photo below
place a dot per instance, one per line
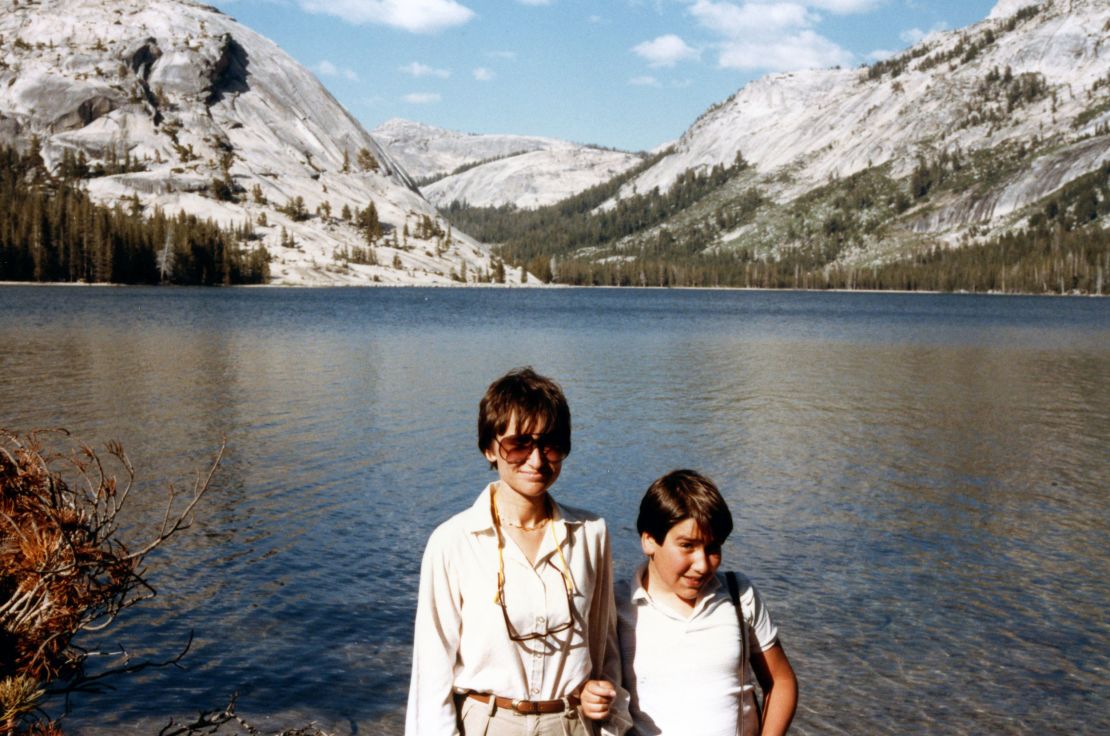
(681, 495)
(536, 401)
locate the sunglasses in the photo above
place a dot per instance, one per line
(517, 448)
(565, 576)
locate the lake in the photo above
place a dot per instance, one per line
(919, 482)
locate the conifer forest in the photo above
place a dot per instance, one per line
(50, 230)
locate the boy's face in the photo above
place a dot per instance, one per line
(684, 563)
(529, 477)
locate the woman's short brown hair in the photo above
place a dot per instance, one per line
(681, 495)
(536, 401)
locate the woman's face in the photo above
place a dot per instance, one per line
(530, 477)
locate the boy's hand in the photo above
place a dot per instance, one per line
(597, 696)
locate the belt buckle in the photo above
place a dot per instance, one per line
(524, 707)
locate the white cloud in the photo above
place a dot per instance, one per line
(882, 54)
(803, 50)
(327, 69)
(734, 19)
(844, 7)
(417, 69)
(417, 16)
(915, 35)
(645, 81)
(482, 74)
(666, 50)
(422, 98)
(774, 36)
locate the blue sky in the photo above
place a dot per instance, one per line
(629, 74)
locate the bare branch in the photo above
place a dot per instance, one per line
(63, 573)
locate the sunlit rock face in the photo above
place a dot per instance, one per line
(172, 95)
(487, 170)
(803, 129)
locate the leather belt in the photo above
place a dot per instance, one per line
(526, 707)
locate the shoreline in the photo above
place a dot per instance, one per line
(102, 284)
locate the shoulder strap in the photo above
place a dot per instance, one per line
(734, 593)
(733, 588)
(744, 728)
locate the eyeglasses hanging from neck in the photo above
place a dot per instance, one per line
(568, 580)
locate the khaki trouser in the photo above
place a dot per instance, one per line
(486, 719)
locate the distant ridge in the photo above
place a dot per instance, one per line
(491, 170)
(993, 138)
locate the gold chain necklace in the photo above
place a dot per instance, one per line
(521, 527)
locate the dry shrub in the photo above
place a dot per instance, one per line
(63, 570)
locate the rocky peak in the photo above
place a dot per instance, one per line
(1033, 74)
(176, 95)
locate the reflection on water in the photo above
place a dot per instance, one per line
(919, 482)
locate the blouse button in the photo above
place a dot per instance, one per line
(540, 619)
(535, 691)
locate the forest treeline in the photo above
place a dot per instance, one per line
(50, 230)
(530, 238)
(1064, 247)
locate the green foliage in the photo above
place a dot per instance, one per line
(1064, 249)
(367, 221)
(355, 254)
(1029, 11)
(221, 189)
(1000, 93)
(534, 236)
(224, 188)
(295, 209)
(896, 65)
(967, 49)
(427, 229)
(817, 240)
(287, 240)
(929, 174)
(366, 160)
(51, 231)
(75, 165)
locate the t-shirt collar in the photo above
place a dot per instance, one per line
(640, 595)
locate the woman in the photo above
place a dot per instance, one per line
(515, 623)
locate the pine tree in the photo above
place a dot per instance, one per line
(369, 223)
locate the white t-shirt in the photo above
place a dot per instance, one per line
(683, 673)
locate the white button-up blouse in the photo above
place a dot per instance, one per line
(462, 641)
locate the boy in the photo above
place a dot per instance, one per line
(679, 631)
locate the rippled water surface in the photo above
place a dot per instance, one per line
(919, 482)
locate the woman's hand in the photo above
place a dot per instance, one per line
(597, 696)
